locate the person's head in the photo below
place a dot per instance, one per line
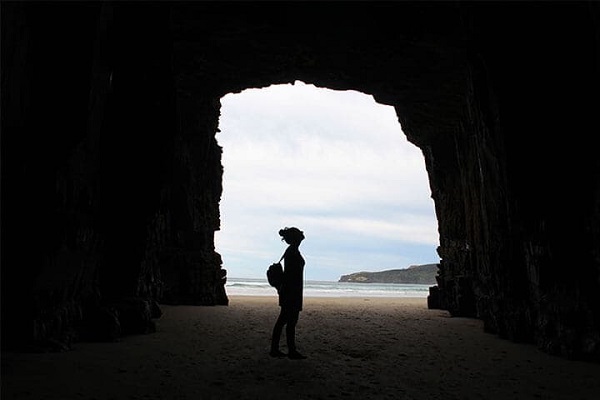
(291, 235)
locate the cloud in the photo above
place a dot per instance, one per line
(334, 163)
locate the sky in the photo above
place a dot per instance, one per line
(334, 164)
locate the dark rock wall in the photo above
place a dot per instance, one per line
(104, 211)
(111, 174)
(530, 255)
(50, 242)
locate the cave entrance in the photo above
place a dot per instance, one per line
(334, 163)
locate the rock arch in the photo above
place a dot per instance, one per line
(111, 176)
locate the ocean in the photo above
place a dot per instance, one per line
(260, 287)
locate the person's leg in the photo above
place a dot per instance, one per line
(276, 336)
(290, 332)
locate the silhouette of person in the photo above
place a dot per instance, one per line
(290, 294)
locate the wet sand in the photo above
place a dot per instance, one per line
(357, 348)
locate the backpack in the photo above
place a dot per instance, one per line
(275, 274)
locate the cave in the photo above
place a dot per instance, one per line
(111, 174)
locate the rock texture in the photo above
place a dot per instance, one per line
(111, 175)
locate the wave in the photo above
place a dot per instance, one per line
(260, 287)
(250, 284)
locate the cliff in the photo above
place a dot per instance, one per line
(418, 274)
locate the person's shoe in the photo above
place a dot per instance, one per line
(277, 353)
(294, 355)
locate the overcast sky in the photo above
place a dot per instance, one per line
(335, 164)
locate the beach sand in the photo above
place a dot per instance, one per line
(357, 348)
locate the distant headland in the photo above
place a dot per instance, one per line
(416, 274)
